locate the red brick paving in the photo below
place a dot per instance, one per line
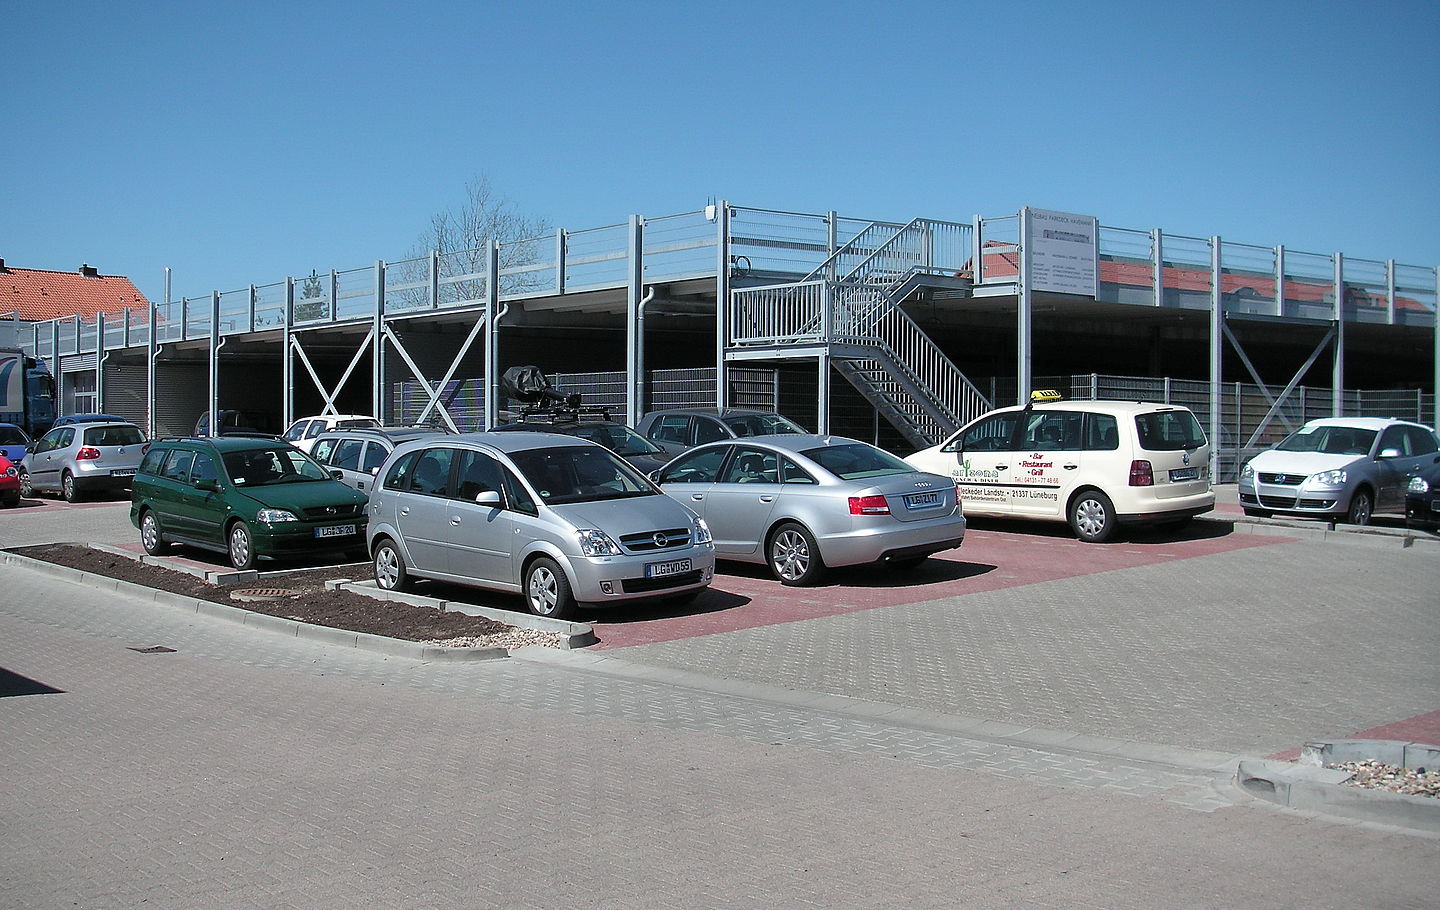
(744, 596)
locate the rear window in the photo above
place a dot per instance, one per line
(1168, 431)
(856, 460)
(760, 424)
(113, 436)
(13, 436)
(359, 422)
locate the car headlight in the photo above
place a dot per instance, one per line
(11, 472)
(596, 543)
(702, 531)
(1333, 478)
(273, 516)
(1418, 485)
(1247, 472)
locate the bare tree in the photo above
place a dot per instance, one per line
(461, 234)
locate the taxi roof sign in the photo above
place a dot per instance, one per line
(1044, 395)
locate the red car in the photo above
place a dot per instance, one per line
(9, 483)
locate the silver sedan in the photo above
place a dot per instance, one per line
(800, 503)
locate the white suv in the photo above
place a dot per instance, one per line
(1095, 464)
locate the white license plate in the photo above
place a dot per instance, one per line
(335, 531)
(662, 569)
(1185, 474)
(121, 472)
(922, 500)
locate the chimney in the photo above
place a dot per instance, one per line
(2, 265)
(89, 272)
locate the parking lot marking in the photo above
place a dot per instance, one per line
(744, 596)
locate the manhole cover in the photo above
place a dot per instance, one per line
(263, 594)
(154, 649)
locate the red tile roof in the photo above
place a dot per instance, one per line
(38, 294)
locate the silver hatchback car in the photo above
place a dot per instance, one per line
(561, 520)
(800, 503)
(81, 458)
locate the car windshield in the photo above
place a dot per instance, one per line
(562, 474)
(358, 422)
(856, 460)
(617, 438)
(760, 424)
(263, 467)
(113, 436)
(12, 436)
(1329, 439)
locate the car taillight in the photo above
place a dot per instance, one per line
(869, 505)
(1141, 474)
(87, 454)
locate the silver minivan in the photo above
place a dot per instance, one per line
(561, 520)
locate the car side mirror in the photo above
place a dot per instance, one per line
(654, 475)
(488, 498)
(208, 485)
(338, 474)
(1389, 453)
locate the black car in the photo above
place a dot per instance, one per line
(618, 438)
(1422, 496)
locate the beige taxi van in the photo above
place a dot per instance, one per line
(1095, 464)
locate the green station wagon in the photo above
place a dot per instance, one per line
(246, 497)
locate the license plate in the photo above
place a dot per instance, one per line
(335, 531)
(1185, 474)
(662, 569)
(123, 473)
(922, 500)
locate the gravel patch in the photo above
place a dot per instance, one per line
(1374, 775)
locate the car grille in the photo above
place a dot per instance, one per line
(1291, 503)
(322, 513)
(641, 585)
(674, 539)
(1284, 480)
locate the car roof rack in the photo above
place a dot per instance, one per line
(543, 415)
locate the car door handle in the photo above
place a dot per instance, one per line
(1069, 467)
(1002, 467)
(770, 498)
(405, 510)
(455, 519)
(697, 497)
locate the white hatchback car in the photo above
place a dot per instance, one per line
(1095, 464)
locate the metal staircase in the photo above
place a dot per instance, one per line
(850, 307)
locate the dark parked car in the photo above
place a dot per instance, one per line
(1422, 496)
(13, 442)
(246, 497)
(678, 430)
(235, 423)
(642, 454)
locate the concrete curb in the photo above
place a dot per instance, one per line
(1367, 535)
(1323, 790)
(363, 641)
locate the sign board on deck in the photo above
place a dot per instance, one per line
(1063, 252)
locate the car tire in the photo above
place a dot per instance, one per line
(26, 491)
(68, 488)
(793, 556)
(547, 590)
(1257, 513)
(240, 545)
(391, 573)
(151, 537)
(1092, 516)
(1362, 507)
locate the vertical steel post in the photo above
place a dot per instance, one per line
(977, 258)
(287, 359)
(100, 362)
(1390, 292)
(722, 300)
(1157, 265)
(377, 348)
(1280, 280)
(1435, 373)
(435, 279)
(252, 308)
(560, 261)
(214, 362)
(823, 409)
(334, 295)
(492, 333)
(1217, 341)
(1025, 305)
(832, 241)
(634, 328)
(1338, 375)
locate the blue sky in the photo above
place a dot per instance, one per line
(237, 144)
